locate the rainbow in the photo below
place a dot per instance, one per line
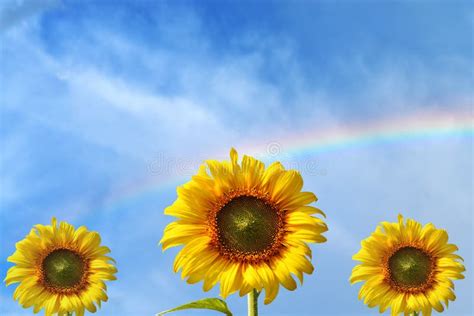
(400, 129)
(420, 126)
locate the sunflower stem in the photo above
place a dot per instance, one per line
(69, 313)
(253, 302)
(416, 314)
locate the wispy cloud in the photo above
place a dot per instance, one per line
(14, 12)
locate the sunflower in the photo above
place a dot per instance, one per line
(408, 268)
(60, 269)
(244, 226)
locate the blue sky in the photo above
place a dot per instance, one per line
(100, 97)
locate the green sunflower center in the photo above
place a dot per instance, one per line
(410, 267)
(247, 224)
(63, 268)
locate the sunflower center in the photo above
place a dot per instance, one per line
(410, 267)
(63, 268)
(247, 224)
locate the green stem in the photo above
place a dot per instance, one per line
(416, 314)
(253, 302)
(69, 313)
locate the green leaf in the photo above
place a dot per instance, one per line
(215, 304)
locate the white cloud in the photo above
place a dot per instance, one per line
(14, 12)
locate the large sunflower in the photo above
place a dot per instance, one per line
(407, 267)
(60, 269)
(244, 226)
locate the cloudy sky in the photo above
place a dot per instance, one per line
(107, 106)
